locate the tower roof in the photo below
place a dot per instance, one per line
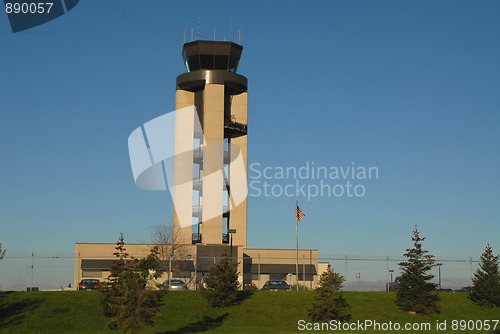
(211, 55)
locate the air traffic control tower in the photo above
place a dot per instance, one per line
(219, 94)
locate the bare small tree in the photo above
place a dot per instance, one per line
(2, 252)
(169, 243)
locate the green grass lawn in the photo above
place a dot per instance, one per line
(187, 312)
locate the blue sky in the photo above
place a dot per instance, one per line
(410, 87)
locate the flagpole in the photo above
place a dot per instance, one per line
(297, 242)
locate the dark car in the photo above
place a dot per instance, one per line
(175, 285)
(276, 285)
(89, 284)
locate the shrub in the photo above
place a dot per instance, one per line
(415, 292)
(329, 304)
(222, 283)
(486, 280)
(125, 301)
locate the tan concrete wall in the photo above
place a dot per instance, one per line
(183, 166)
(210, 105)
(284, 256)
(238, 173)
(213, 159)
(104, 251)
(322, 266)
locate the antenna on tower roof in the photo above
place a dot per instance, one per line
(198, 36)
(230, 35)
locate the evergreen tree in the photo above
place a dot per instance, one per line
(144, 266)
(416, 292)
(486, 280)
(329, 304)
(222, 283)
(125, 300)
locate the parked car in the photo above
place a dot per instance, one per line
(89, 284)
(175, 285)
(276, 285)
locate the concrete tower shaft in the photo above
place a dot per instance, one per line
(220, 96)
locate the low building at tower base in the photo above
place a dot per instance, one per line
(192, 262)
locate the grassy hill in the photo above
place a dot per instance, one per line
(187, 312)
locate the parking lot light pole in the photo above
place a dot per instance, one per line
(390, 285)
(169, 270)
(439, 274)
(231, 231)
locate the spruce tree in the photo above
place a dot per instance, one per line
(415, 292)
(125, 300)
(222, 283)
(143, 266)
(486, 280)
(329, 304)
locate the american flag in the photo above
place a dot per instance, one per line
(299, 214)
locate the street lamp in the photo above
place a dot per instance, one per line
(191, 273)
(439, 274)
(231, 231)
(390, 285)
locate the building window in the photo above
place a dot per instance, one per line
(308, 277)
(92, 273)
(278, 277)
